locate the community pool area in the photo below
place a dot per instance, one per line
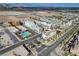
(25, 34)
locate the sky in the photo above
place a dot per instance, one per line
(55, 4)
(46, 4)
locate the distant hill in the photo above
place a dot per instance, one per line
(32, 7)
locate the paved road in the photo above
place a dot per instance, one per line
(39, 49)
(20, 43)
(15, 39)
(53, 53)
(48, 50)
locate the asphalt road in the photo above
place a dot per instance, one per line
(51, 48)
(15, 39)
(19, 43)
(45, 52)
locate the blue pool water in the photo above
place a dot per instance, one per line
(25, 34)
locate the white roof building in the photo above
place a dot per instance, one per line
(44, 24)
(48, 34)
(30, 24)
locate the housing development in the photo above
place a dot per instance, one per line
(39, 33)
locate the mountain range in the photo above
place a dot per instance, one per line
(38, 6)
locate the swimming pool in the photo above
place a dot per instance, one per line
(25, 34)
